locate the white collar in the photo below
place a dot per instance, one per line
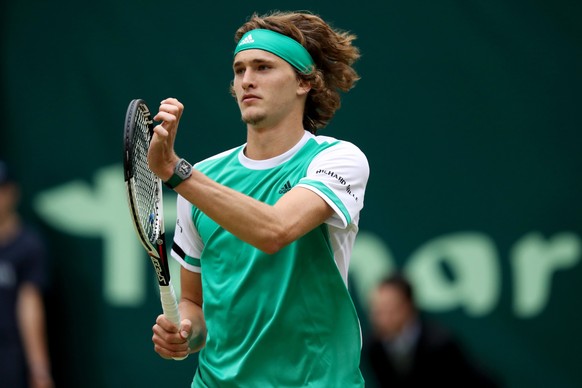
(275, 161)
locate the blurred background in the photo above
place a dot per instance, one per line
(468, 111)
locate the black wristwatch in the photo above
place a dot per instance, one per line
(182, 171)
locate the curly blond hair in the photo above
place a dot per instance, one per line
(331, 50)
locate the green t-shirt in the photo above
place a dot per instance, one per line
(286, 319)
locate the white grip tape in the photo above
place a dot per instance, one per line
(170, 304)
(170, 307)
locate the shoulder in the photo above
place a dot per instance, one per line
(435, 336)
(336, 143)
(340, 155)
(339, 148)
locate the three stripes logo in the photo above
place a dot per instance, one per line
(286, 187)
(247, 40)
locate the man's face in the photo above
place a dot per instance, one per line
(266, 88)
(390, 311)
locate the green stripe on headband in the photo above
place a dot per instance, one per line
(281, 45)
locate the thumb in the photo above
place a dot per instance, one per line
(185, 329)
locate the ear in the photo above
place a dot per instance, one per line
(303, 87)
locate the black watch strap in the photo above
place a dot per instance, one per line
(174, 181)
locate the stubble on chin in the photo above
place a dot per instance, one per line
(253, 119)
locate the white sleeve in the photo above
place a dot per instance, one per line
(187, 246)
(339, 175)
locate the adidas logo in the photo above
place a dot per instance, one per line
(286, 187)
(247, 40)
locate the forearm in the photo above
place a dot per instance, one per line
(190, 307)
(193, 312)
(250, 220)
(266, 227)
(31, 319)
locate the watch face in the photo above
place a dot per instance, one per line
(184, 168)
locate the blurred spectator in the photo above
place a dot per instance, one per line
(405, 350)
(24, 358)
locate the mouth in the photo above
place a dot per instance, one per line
(249, 98)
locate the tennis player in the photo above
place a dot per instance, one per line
(265, 231)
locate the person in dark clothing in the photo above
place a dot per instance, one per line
(24, 356)
(405, 350)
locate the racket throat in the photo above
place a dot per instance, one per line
(159, 271)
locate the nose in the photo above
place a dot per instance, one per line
(248, 80)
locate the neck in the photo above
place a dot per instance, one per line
(266, 143)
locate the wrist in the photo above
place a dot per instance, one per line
(40, 371)
(168, 170)
(163, 168)
(182, 171)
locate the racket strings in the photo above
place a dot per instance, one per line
(145, 181)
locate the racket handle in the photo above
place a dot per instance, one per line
(170, 307)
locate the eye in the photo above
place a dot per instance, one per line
(263, 67)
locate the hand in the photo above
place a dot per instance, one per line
(169, 340)
(161, 155)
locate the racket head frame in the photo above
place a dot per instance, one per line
(153, 242)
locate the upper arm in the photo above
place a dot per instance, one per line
(187, 244)
(339, 175)
(301, 210)
(191, 286)
(331, 192)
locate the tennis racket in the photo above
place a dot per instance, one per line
(144, 194)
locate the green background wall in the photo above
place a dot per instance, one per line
(469, 113)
